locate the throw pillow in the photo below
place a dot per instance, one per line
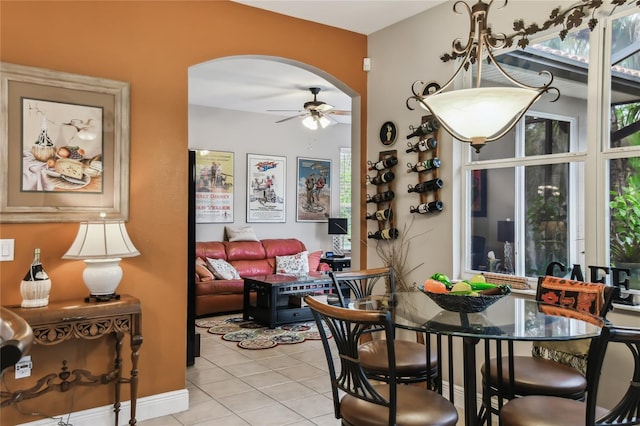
(204, 273)
(314, 260)
(297, 264)
(222, 269)
(240, 233)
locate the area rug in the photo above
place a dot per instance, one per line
(252, 335)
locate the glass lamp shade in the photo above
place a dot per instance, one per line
(313, 121)
(480, 115)
(101, 245)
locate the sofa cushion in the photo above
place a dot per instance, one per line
(282, 247)
(220, 287)
(251, 268)
(204, 274)
(297, 264)
(222, 270)
(244, 250)
(240, 233)
(210, 249)
(314, 260)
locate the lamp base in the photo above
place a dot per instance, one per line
(102, 276)
(97, 298)
(337, 246)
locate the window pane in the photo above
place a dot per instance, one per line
(546, 136)
(624, 236)
(625, 81)
(546, 200)
(345, 192)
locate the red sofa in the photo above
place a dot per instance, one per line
(249, 258)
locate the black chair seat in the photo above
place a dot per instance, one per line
(545, 411)
(538, 376)
(416, 407)
(411, 358)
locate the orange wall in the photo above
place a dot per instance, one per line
(151, 45)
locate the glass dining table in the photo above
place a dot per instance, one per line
(510, 319)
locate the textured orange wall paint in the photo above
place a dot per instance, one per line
(151, 45)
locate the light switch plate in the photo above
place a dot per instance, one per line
(6, 250)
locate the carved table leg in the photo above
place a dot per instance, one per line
(118, 370)
(136, 341)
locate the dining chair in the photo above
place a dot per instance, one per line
(554, 368)
(416, 361)
(536, 410)
(359, 400)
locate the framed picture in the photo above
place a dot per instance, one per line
(214, 186)
(64, 146)
(266, 189)
(313, 193)
(479, 193)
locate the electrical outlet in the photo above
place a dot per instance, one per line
(23, 367)
(6, 249)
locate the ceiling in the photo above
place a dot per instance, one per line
(253, 84)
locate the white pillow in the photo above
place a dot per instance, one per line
(298, 264)
(240, 233)
(222, 269)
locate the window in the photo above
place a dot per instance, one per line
(345, 192)
(568, 176)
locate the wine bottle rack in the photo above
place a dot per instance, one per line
(431, 198)
(381, 188)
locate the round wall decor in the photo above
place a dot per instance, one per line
(388, 133)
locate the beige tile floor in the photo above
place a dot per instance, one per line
(229, 386)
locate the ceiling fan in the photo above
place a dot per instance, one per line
(317, 113)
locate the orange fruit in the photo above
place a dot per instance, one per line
(434, 286)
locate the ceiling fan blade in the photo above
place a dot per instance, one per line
(323, 107)
(291, 118)
(338, 112)
(286, 110)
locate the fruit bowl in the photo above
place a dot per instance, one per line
(466, 303)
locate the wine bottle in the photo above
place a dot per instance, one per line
(381, 215)
(381, 178)
(425, 128)
(430, 185)
(381, 197)
(36, 284)
(432, 207)
(422, 145)
(385, 234)
(383, 164)
(423, 166)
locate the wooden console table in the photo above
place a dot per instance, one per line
(60, 321)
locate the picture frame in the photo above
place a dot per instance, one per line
(214, 194)
(479, 193)
(64, 146)
(266, 188)
(313, 190)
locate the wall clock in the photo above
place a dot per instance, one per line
(388, 133)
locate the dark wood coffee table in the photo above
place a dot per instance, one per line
(278, 297)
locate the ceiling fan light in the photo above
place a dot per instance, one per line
(324, 121)
(310, 123)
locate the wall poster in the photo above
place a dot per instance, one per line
(313, 194)
(266, 190)
(214, 187)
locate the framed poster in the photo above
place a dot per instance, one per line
(479, 193)
(313, 193)
(266, 189)
(214, 186)
(64, 146)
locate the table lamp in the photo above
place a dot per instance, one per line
(505, 235)
(337, 228)
(102, 244)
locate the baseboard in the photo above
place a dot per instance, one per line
(147, 408)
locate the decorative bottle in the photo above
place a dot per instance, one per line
(430, 185)
(422, 145)
(385, 234)
(423, 166)
(381, 178)
(432, 207)
(425, 128)
(381, 215)
(383, 164)
(381, 197)
(36, 284)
